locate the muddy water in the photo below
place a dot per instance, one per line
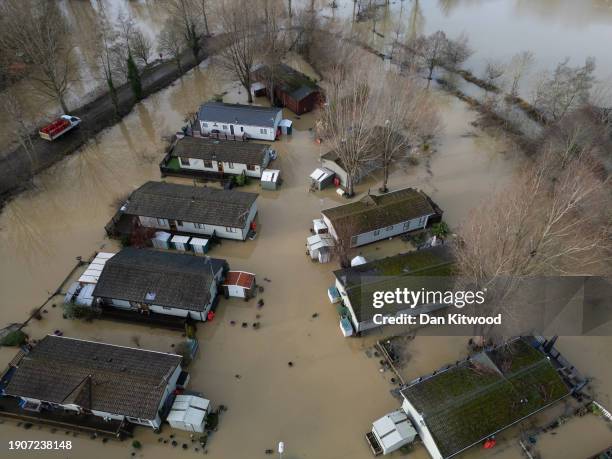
(322, 405)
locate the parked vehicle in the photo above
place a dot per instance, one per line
(59, 127)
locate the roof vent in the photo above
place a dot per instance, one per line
(150, 296)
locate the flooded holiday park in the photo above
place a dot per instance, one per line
(187, 256)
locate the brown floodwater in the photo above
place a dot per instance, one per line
(322, 405)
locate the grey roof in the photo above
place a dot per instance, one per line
(163, 278)
(248, 115)
(228, 151)
(191, 204)
(96, 376)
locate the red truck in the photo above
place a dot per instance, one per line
(59, 127)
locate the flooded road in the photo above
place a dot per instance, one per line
(322, 405)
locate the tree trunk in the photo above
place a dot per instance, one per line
(384, 188)
(62, 102)
(178, 64)
(349, 185)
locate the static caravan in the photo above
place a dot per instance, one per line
(152, 282)
(373, 218)
(115, 383)
(415, 270)
(190, 156)
(244, 121)
(190, 210)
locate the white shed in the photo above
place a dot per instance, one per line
(319, 226)
(180, 242)
(189, 413)
(393, 431)
(320, 247)
(322, 177)
(199, 245)
(286, 126)
(161, 240)
(270, 179)
(358, 260)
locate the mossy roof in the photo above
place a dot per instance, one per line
(430, 269)
(373, 212)
(471, 401)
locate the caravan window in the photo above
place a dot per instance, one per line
(161, 221)
(230, 230)
(389, 228)
(205, 125)
(184, 161)
(230, 165)
(251, 167)
(225, 127)
(376, 232)
(198, 225)
(263, 131)
(208, 164)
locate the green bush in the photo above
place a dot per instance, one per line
(440, 229)
(241, 180)
(136, 444)
(14, 338)
(74, 311)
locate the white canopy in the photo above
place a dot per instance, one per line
(321, 173)
(93, 271)
(319, 225)
(317, 241)
(180, 239)
(285, 123)
(358, 260)
(162, 235)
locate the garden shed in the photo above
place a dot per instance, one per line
(161, 240)
(199, 245)
(180, 243)
(270, 179)
(189, 413)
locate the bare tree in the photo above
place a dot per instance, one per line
(432, 51)
(141, 47)
(170, 42)
(273, 46)
(406, 117)
(346, 122)
(566, 90)
(19, 125)
(240, 43)
(493, 71)
(37, 31)
(204, 9)
(186, 13)
(551, 220)
(104, 39)
(519, 65)
(457, 51)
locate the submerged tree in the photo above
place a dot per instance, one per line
(170, 42)
(240, 41)
(134, 77)
(37, 31)
(406, 118)
(346, 122)
(186, 15)
(103, 43)
(567, 89)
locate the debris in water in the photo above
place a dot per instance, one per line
(260, 303)
(255, 325)
(237, 376)
(232, 322)
(290, 363)
(269, 451)
(174, 443)
(245, 325)
(267, 280)
(315, 315)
